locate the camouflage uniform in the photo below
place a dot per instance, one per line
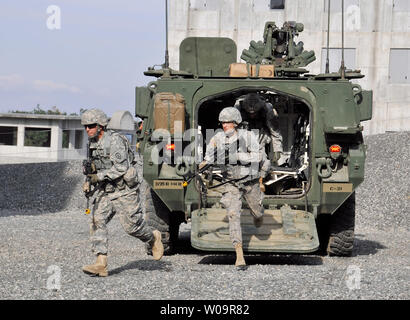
(111, 157)
(243, 166)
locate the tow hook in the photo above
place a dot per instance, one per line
(324, 162)
(183, 166)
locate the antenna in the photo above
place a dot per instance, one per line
(166, 64)
(328, 31)
(342, 66)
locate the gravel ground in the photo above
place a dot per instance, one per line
(44, 244)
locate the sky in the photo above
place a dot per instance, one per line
(76, 54)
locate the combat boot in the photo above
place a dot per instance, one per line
(99, 268)
(240, 263)
(157, 247)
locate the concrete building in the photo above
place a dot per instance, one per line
(377, 41)
(41, 138)
(49, 138)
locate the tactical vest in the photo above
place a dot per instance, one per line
(244, 172)
(101, 152)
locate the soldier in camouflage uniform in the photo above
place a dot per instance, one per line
(112, 158)
(242, 170)
(260, 115)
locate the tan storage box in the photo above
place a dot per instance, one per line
(265, 71)
(239, 70)
(169, 112)
(246, 70)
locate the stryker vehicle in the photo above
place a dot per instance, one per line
(310, 197)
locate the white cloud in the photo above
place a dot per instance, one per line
(17, 82)
(48, 85)
(11, 81)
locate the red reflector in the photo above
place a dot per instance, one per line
(170, 146)
(335, 148)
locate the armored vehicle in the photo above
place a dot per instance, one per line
(310, 191)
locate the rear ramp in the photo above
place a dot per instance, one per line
(283, 230)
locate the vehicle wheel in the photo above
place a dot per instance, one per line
(158, 216)
(342, 224)
(323, 225)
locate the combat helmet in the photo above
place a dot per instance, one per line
(230, 114)
(94, 116)
(252, 103)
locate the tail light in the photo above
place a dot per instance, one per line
(170, 147)
(335, 151)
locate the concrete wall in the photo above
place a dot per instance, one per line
(372, 28)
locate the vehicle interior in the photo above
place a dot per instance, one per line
(289, 174)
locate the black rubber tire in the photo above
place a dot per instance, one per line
(342, 224)
(158, 216)
(323, 225)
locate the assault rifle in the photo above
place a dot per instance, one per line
(89, 168)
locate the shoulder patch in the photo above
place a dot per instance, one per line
(118, 156)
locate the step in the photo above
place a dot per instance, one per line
(284, 230)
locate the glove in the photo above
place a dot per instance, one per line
(86, 187)
(88, 167)
(93, 178)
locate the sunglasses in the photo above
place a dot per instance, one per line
(90, 126)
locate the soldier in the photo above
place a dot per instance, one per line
(242, 172)
(138, 156)
(260, 115)
(111, 158)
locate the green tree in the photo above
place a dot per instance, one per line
(53, 111)
(37, 137)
